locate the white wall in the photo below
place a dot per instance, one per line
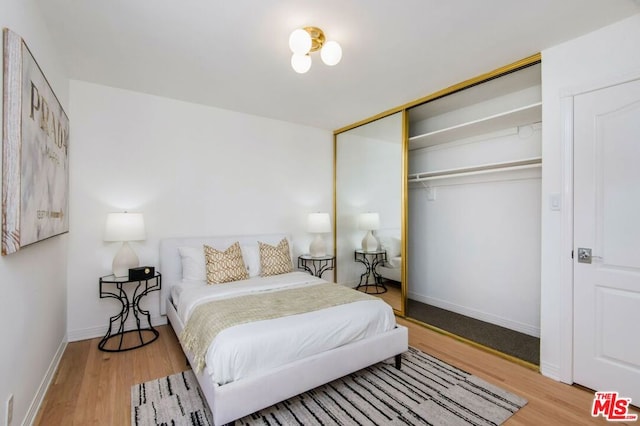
(596, 58)
(33, 280)
(192, 170)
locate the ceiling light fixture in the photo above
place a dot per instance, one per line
(305, 40)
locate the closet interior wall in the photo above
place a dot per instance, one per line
(474, 201)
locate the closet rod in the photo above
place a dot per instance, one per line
(478, 170)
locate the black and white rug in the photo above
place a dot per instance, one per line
(426, 391)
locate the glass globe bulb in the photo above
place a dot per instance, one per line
(300, 63)
(300, 42)
(331, 53)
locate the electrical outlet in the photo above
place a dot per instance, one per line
(9, 410)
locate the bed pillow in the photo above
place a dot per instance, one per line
(391, 245)
(225, 266)
(251, 256)
(275, 260)
(193, 264)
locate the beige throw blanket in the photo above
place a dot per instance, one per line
(210, 318)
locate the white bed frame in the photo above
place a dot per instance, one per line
(237, 399)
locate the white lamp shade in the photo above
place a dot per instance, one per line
(124, 227)
(331, 53)
(300, 63)
(369, 221)
(319, 223)
(300, 42)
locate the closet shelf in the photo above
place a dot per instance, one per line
(526, 163)
(527, 114)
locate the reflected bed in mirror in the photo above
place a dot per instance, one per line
(368, 186)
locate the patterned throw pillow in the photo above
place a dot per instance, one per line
(225, 266)
(275, 260)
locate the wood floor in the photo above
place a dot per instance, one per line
(392, 296)
(94, 388)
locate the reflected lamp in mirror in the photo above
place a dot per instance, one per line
(124, 227)
(369, 222)
(318, 223)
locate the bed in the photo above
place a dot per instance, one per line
(285, 373)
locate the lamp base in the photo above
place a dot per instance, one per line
(318, 248)
(125, 258)
(369, 242)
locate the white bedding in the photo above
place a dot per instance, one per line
(244, 349)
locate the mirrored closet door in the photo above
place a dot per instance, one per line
(368, 207)
(474, 210)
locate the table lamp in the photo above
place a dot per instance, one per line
(318, 223)
(369, 222)
(124, 227)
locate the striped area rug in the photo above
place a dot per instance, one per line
(426, 391)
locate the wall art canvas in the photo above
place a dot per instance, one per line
(35, 156)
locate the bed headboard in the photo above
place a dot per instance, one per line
(171, 265)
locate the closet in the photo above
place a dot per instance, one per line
(474, 202)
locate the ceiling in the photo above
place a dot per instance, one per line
(234, 54)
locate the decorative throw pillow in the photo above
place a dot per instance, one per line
(275, 260)
(225, 266)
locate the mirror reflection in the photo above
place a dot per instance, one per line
(368, 178)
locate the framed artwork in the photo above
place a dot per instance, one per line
(35, 156)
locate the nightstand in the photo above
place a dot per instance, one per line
(316, 265)
(371, 260)
(129, 293)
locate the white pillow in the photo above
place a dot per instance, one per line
(193, 263)
(251, 255)
(391, 245)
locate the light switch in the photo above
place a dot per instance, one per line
(431, 194)
(554, 202)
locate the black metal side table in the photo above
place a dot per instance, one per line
(371, 260)
(316, 265)
(116, 287)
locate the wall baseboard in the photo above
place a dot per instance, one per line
(34, 407)
(93, 332)
(549, 370)
(483, 316)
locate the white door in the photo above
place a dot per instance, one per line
(607, 221)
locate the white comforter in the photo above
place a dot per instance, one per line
(245, 349)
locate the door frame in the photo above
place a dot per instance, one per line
(567, 96)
